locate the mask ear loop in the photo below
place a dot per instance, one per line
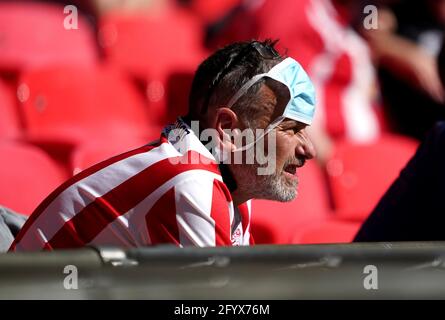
(222, 156)
(269, 128)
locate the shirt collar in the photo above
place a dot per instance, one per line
(185, 135)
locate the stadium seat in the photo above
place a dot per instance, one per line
(178, 88)
(33, 35)
(329, 231)
(93, 152)
(9, 120)
(151, 48)
(75, 104)
(359, 174)
(274, 222)
(211, 11)
(28, 175)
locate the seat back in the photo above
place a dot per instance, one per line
(81, 104)
(359, 174)
(329, 231)
(28, 175)
(153, 48)
(33, 35)
(9, 119)
(93, 152)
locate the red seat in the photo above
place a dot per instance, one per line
(75, 104)
(27, 176)
(152, 47)
(211, 11)
(359, 174)
(94, 152)
(329, 231)
(9, 120)
(33, 35)
(274, 222)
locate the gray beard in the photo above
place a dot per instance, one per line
(269, 187)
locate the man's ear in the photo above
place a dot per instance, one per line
(226, 121)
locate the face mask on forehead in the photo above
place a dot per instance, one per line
(301, 104)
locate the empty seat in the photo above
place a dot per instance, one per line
(151, 44)
(77, 104)
(359, 174)
(211, 11)
(33, 35)
(274, 222)
(329, 231)
(93, 152)
(9, 120)
(152, 47)
(27, 176)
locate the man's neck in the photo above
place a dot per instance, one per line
(238, 196)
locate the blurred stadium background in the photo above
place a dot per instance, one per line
(71, 98)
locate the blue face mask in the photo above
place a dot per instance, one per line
(301, 104)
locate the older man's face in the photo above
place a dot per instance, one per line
(292, 149)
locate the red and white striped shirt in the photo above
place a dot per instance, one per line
(143, 197)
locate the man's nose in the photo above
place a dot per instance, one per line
(305, 147)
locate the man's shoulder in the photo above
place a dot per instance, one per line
(149, 166)
(202, 185)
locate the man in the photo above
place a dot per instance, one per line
(175, 190)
